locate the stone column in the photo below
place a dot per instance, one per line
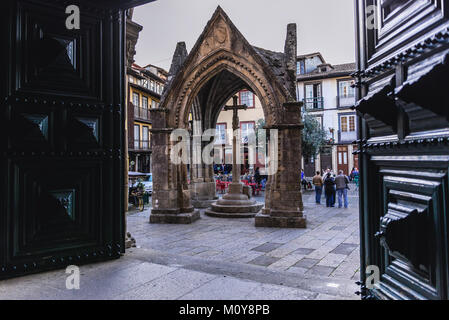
(283, 199)
(202, 185)
(171, 196)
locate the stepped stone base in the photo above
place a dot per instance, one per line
(233, 211)
(175, 218)
(234, 205)
(202, 204)
(269, 221)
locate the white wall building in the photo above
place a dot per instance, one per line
(327, 95)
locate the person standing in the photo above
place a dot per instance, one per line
(342, 188)
(329, 189)
(318, 183)
(257, 179)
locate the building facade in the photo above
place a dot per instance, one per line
(145, 85)
(328, 95)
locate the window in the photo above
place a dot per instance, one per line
(136, 136)
(346, 94)
(313, 96)
(311, 64)
(220, 133)
(145, 102)
(247, 131)
(348, 130)
(152, 85)
(158, 87)
(345, 90)
(352, 123)
(347, 123)
(344, 124)
(136, 99)
(247, 97)
(300, 67)
(145, 138)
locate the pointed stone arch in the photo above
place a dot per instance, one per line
(221, 50)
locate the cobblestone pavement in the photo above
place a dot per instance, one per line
(329, 246)
(218, 259)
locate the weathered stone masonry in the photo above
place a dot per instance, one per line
(221, 63)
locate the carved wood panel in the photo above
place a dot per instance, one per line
(62, 162)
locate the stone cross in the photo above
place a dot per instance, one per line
(235, 125)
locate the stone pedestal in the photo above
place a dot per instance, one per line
(234, 204)
(202, 194)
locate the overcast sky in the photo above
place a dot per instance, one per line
(326, 26)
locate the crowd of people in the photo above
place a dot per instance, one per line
(250, 176)
(334, 187)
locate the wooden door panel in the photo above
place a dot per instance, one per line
(342, 159)
(62, 158)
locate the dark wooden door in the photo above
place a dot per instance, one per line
(326, 158)
(342, 159)
(404, 149)
(309, 168)
(62, 160)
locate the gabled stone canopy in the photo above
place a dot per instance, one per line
(221, 47)
(221, 63)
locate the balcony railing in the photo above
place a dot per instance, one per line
(142, 145)
(314, 103)
(141, 113)
(345, 101)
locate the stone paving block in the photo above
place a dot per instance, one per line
(332, 260)
(345, 270)
(209, 253)
(356, 276)
(288, 261)
(171, 286)
(267, 247)
(298, 270)
(105, 284)
(345, 248)
(338, 228)
(353, 240)
(227, 288)
(306, 263)
(320, 271)
(283, 251)
(304, 251)
(319, 253)
(314, 244)
(264, 260)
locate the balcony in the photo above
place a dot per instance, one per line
(142, 145)
(345, 101)
(141, 113)
(314, 103)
